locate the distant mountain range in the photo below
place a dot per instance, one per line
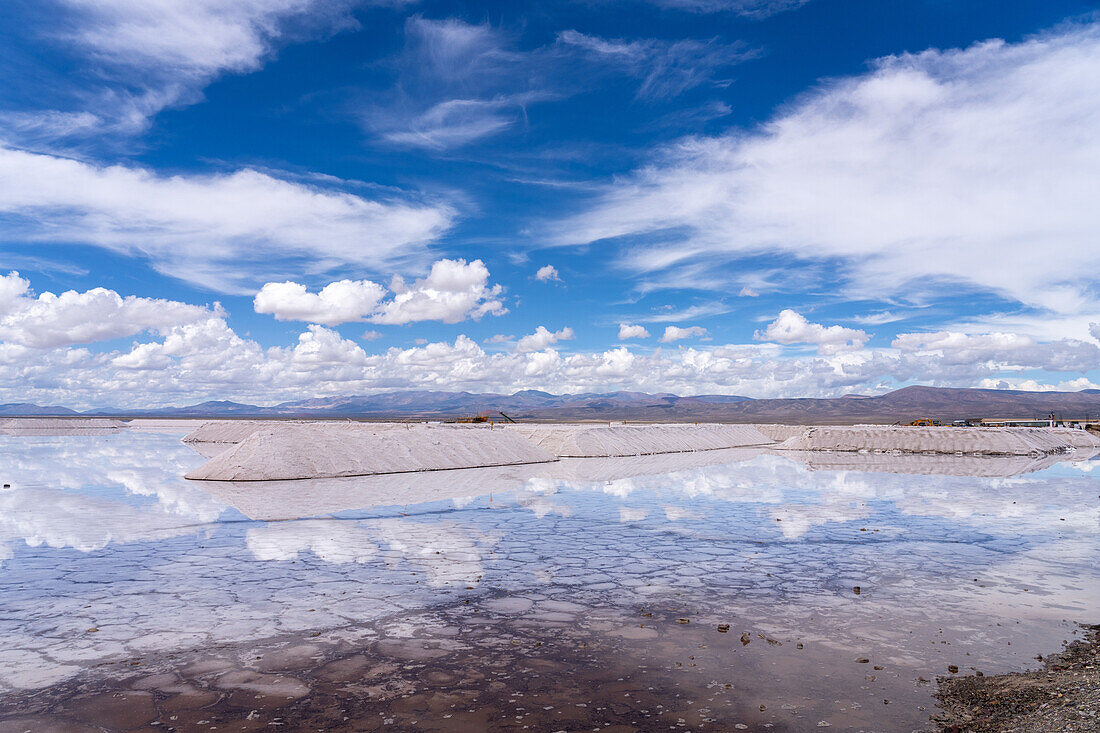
(906, 404)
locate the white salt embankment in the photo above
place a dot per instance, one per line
(600, 441)
(230, 431)
(303, 450)
(361, 449)
(970, 441)
(779, 433)
(49, 426)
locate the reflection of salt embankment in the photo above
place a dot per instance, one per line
(47, 426)
(988, 466)
(279, 500)
(167, 425)
(972, 441)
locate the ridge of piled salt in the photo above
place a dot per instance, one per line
(298, 451)
(603, 441)
(1077, 438)
(778, 432)
(230, 431)
(908, 439)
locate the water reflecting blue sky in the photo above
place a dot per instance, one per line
(104, 533)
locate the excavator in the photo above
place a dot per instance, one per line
(481, 417)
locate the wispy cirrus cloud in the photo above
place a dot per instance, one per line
(456, 83)
(664, 68)
(937, 169)
(133, 59)
(749, 8)
(669, 313)
(224, 231)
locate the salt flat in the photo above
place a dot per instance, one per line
(565, 583)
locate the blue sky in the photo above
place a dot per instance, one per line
(273, 199)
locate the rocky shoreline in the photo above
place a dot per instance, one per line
(1064, 696)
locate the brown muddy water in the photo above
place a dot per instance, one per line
(728, 590)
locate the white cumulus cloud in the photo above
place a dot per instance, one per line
(453, 291)
(631, 331)
(676, 333)
(183, 354)
(793, 328)
(1001, 350)
(542, 338)
(338, 302)
(546, 273)
(51, 320)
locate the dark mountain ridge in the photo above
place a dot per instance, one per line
(15, 409)
(903, 405)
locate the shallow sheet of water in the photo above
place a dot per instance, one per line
(700, 591)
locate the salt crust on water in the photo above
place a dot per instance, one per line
(46, 426)
(971, 441)
(331, 450)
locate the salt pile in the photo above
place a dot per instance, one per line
(283, 450)
(235, 431)
(600, 441)
(779, 433)
(1077, 438)
(971, 441)
(47, 426)
(298, 451)
(229, 431)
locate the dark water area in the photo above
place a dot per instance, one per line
(727, 590)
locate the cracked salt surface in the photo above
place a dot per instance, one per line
(509, 597)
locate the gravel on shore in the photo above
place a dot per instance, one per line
(1064, 696)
